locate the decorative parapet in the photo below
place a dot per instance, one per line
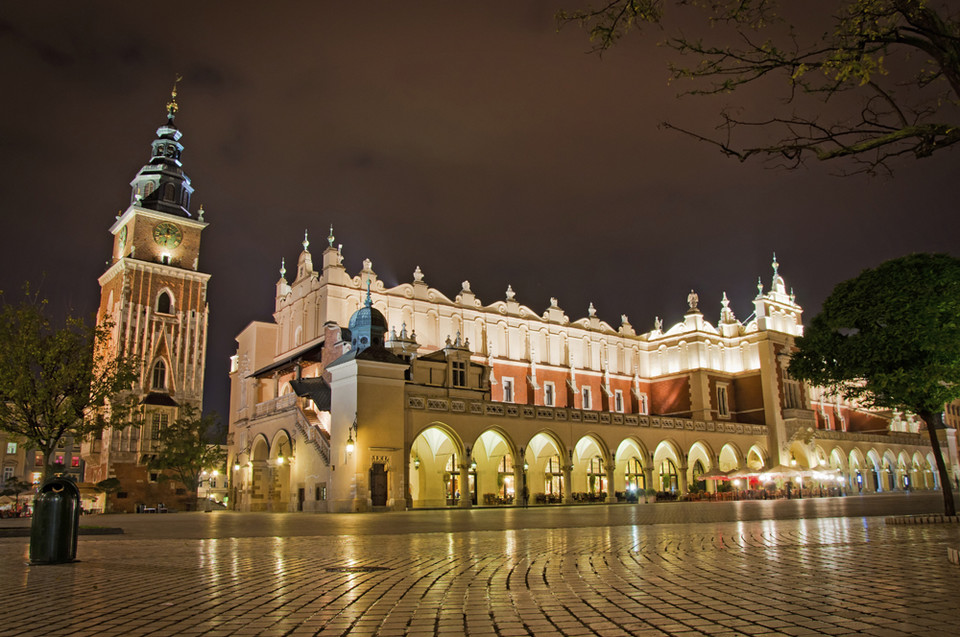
(799, 414)
(900, 438)
(561, 414)
(267, 407)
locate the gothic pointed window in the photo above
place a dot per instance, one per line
(160, 375)
(164, 303)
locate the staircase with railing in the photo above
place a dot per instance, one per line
(309, 427)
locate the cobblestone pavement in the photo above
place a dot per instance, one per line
(814, 576)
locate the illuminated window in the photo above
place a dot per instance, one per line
(634, 476)
(35, 478)
(459, 374)
(507, 390)
(668, 476)
(596, 476)
(7, 473)
(723, 408)
(698, 471)
(585, 398)
(553, 476)
(38, 460)
(11, 447)
(618, 401)
(59, 459)
(505, 477)
(549, 394)
(159, 422)
(75, 461)
(160, 375)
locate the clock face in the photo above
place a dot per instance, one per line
(167, 235)
(123, 237)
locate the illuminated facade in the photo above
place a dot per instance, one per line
(156, 299)
(358, 397)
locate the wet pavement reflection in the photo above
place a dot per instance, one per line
(668, 569)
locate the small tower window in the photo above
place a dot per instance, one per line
(169, 192)
(507, 390)
(160, 375)
(164, 303)
(644, 405)
(459, 374)
(723, 407)
(549, 393)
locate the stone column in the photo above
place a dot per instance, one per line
(568, 483)
(611, 469)
(714, 466)
(648, 477)
(519, 483)
(682, 479)
(465, 494)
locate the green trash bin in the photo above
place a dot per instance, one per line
(56, 521)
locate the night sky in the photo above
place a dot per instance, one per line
(470, 139)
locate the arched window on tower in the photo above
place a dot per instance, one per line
(169, 192)
(164, 303)
(159, 375)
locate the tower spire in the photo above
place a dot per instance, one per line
(172, 106)
(161, 184)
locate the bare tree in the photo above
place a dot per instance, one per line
(873, 81)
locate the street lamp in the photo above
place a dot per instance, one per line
(351, 445)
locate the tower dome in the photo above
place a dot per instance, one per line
(367, 325)
(161, 184)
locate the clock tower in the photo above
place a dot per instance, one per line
(155, 296)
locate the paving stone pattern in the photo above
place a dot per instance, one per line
(834, 576)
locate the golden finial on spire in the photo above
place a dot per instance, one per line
(172, 104)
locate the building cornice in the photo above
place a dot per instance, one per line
(135, 210)
(136, 265)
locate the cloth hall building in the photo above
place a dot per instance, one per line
(359, 397)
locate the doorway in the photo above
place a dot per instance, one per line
(378, 485)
